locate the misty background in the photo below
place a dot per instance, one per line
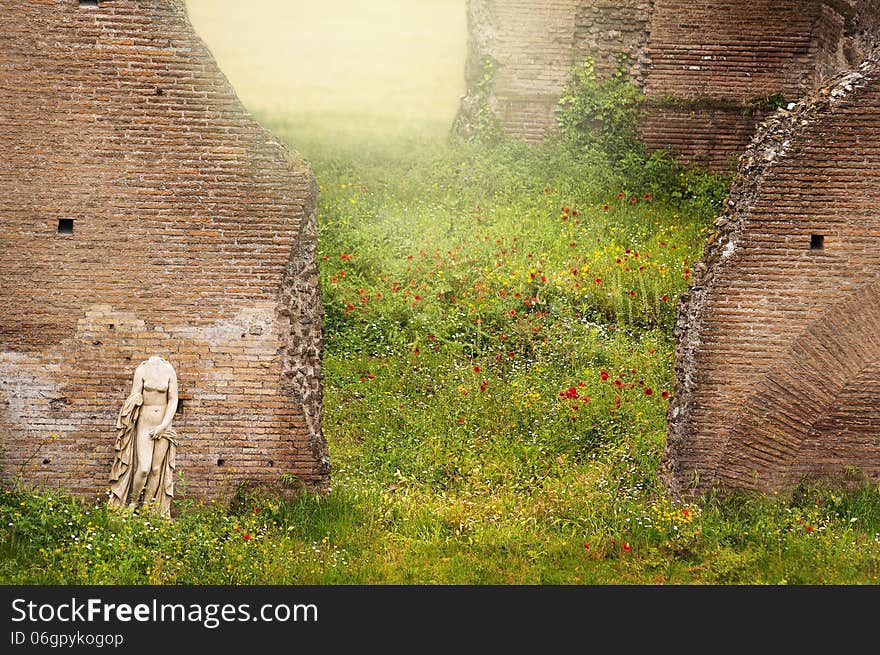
(348, 70)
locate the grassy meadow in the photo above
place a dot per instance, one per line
(498, 361)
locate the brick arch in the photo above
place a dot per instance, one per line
(799, 402)
(848, 436)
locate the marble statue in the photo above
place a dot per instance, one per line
(143, 467)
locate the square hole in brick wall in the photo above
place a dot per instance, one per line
(89, 3)
(817, 242)
(65, 226)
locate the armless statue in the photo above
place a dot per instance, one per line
(143, 467)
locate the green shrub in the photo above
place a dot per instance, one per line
(600, 113)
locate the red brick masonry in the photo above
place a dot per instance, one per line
(193, 238)
(711, 70)
(778, 339)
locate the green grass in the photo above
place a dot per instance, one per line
(485, 400)
(497, 365)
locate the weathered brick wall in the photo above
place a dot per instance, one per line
(710, 69)
(193, 238)
(532, 46)
(778, 342)
(737, 51)
(717, 62)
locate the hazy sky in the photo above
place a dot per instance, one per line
(390, 57)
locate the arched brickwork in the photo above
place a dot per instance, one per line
(805, 396)
(779, 338)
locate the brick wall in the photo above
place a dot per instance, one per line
(533, 46)
(193, 238)
(708, 68)
(778, 341)
(713, 65)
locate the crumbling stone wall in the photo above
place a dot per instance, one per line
(521, 52)
(778, 339)
(711, 70)
(193, 238)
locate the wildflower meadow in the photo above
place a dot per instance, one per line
(498, 364)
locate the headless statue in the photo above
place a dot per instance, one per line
(143, 467)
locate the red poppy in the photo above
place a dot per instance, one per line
(603, 375)
(648, 391)
(664, 395)
(626, 547)
(246, 536)
(598, 280)
(571, 393)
